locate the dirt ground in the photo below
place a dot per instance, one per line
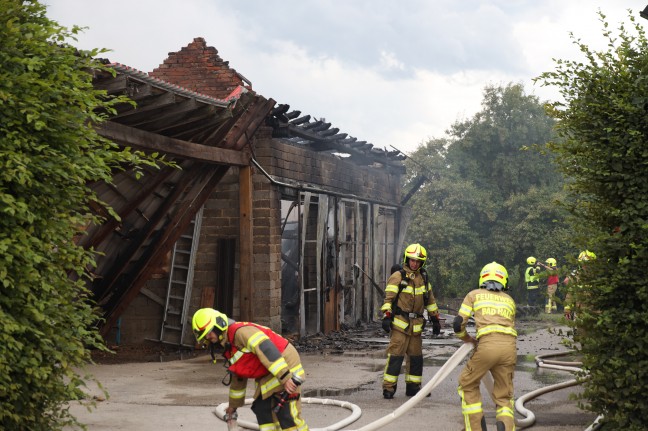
(154, 388)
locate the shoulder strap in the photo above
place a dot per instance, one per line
(403, 277)
(425, 276)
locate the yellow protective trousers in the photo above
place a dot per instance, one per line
(551, 306)
(496, 353)
(401, 344)
(288, 418)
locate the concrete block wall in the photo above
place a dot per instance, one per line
(220, 220)
(290, 162)
(266, 215)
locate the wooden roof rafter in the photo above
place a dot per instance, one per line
(204, 135)
(319, 135)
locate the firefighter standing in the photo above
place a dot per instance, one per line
(552, 285)
(407, 295)
(532, 281)
(571, 283)
(495, 348)
(254, 351)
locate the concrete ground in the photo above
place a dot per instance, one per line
(182, 394)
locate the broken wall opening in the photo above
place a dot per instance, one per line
(336, 256)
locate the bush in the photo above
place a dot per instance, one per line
(49, 151)
(605, 156)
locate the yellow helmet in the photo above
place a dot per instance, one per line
(415, 251)
(206, 320)
(493, 272)
(531, 260)
(551, 261)
(586, 255)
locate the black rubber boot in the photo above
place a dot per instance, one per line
(388, 395)
(412, 389)
(500, 426)
(483, 424)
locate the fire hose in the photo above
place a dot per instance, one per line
(439, 376)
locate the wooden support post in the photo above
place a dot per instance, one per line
(246, 262)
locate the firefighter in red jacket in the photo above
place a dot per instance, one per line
(407, 295)
(552, 284)
(255, 352)
(495, 351)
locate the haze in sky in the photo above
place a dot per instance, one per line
(393, 73)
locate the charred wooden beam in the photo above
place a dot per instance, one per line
(186, 120)
(323, 146)
(339, 137)
(142, 271)
(321, 127)
(329, 132)
(140, 139)
(248, 122)
(309, 126)
(94, 239)
(163, 115)
(301, 120)
(280, 110)
(349, 140)
(147, 105)
(103, 289)
(293, 114)
(416, 185)
(112, 85)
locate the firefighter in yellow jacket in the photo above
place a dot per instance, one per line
(495, 348)
(407, 295)
(254, 351)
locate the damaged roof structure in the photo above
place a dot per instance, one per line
(272, 216)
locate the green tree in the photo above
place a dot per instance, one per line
(604, 154)
(49, 151)
(490, 196)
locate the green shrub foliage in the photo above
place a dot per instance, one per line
(603, 119)
(49, 151)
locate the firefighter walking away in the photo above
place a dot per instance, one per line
(495, 349)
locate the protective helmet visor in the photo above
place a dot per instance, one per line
(415, 252)
(207, 320)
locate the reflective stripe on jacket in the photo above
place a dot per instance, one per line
(411, 299)
(494, 312)
(243, 362)
(531, 277)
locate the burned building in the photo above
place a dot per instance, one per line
(271, 215)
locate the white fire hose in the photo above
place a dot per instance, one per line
(354, 416)
(542, 362)
(441, 374)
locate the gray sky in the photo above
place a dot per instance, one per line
(385, 71)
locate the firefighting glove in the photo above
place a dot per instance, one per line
(386, 322)
(436, 324)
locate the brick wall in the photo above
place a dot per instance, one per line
(198, 67)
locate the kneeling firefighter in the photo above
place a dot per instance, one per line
(255, 352)
(407, 295)
(495, 348)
